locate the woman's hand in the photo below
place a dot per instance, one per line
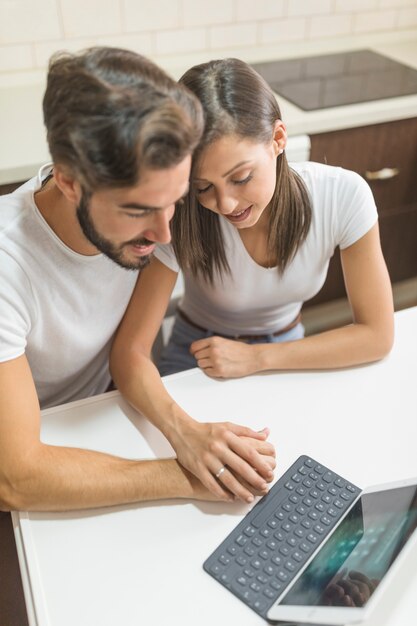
(225, 358)
(241, 458)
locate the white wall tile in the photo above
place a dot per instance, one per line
(397, 3)
(247, 10)
(197, 13)
(330, 26)
(277, 31)
(24, 21)
(140, 42)
(91, 18)
(13, 58)
(186, 40)
(143, 15)
(407, 18)
(298, 8)
(342, 6)
(375, 21)
(233, 35)
(45, 49)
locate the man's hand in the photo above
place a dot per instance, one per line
(247, 458)
(225, 358)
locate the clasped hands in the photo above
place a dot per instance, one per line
(231, 461)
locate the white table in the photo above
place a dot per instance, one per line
(142, 564)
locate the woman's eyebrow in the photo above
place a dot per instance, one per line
(235, 167)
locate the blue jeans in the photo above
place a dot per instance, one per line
(176, 355)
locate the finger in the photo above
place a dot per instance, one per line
(249, 454)
(243, 470)
(232, 483)
(263, 447)
(215, 486)
(200, 344)
(245, 431)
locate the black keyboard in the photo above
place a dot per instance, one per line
(262, 555)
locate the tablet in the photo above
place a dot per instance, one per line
(349, 572)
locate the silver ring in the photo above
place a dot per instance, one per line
(220, 472)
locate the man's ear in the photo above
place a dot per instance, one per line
(279, 137)
(67, 184)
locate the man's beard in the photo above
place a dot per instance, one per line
(112, 251)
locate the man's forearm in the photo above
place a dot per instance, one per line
(56, 478)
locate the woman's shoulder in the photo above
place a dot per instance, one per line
(319, 173)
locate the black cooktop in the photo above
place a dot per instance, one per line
(337, 79)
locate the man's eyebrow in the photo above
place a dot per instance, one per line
(138, 207)
(235, 167)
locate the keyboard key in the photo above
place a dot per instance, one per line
(303, 470)
(265, 532)
(326, 498)
(262, 579)
(333, 491)
(306, 523)
(307, 482)
(346, 496)
(241, 560)
(351, 488)
(264, 554)
(331, 511)
(260, 605)
(287, 507)
(268, 569)
(284, 550)
(312, 538)
(313, 515)
(276, 560)
(339, 482)
(233, 550)
(338, 503)
(328, 477)
(273, 523)
(272, 544)
(301, 490)
(301, 509)
(309, 463)
(216, 569)
(294, 499)
(297, 556)
(289, 565)
(294, 518)
(280, 515)
(249, 531)
(304, 547)
(292, 542)
(257, 542)
(320, 507)
(224, 560)
(241, 540)
(320, 485)
(249, 550)
(289, 486)
(314, 493)
(299, 532)
(248, 572)
(319, 529)
(325, 520)
(281, 575)
(275, 584)
(308, 501)
(256, 563)
(319, 469)
(313, 476)
(296, 478)
(286, 526)
(269, 593)
(279, 535)
(255, 586)
(242, 581)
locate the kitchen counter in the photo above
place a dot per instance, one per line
(23, 143)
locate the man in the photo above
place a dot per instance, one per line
(121, 134)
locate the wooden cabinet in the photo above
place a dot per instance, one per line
(386, 156)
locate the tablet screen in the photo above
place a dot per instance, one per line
(350, 565)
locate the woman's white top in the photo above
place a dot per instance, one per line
(256, 300)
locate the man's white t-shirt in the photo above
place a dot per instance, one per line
(257, 300)
(58, 307)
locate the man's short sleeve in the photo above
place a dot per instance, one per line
(165, 253)
(356, 208)
(16, 303)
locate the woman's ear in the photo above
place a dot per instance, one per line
(67, 184)
(279, 137)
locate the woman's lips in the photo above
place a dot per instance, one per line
(239, 217)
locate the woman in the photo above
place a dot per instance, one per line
(254, 238)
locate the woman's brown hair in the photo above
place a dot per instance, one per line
(237, 101)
